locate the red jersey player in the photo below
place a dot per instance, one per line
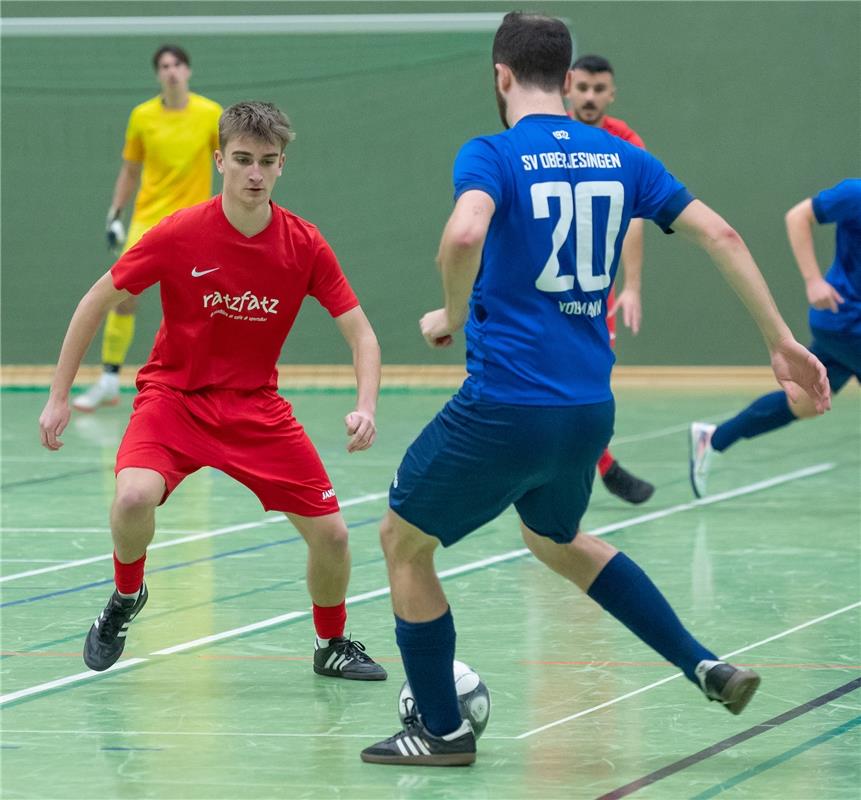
(233, 273)
(592, 91)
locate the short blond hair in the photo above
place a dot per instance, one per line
(264, 121)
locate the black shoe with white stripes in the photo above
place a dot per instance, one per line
(107, 636)
(344, 657)
(415, 745)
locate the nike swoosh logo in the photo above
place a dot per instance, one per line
(196, 273)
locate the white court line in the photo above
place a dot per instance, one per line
(184, 539)
(469, 567)
(80, 676)
(132, 662)
(642, 689)
(657, 434)
(254, 23)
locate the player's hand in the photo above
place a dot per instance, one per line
(822, 295)
(437, 329)
(53, 421)
(797, 370)
(115, 231)
(632, 309)
(361, 429)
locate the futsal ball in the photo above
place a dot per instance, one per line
(473, 698)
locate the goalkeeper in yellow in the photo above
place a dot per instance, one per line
(168, 151)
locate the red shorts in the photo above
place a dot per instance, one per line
(251, 436)
(611, 321)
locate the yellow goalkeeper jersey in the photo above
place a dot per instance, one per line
(175, 147)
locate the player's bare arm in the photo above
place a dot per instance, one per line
(459, 258)
(85, 322)
(127, 184)
(629, 299)
(793, 365)
(799, 228)
(360, 336)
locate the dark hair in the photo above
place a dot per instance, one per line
(536, 48)
(593, 64)
(174, 50)
(263, 121)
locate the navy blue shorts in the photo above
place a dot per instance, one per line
(840, 353)
(475, 459)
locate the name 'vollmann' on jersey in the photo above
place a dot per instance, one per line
(577, 160)
(593, 308)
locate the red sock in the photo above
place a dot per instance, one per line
(329, 621)
(605, 462)
(129, 577)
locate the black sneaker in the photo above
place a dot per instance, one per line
(345, 658)
(107, 636)
(415, 745)
(732, 686)
(629, 487)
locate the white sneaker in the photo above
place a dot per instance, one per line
(700, 455)
(105, 392)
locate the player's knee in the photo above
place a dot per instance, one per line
(132, 499)
(388, 537)
(337, 539)
(403, 543)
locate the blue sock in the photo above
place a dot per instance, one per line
(769, 412)
(626, 592)
(427, 649)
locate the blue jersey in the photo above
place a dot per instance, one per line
(564, 195)
(842, 204)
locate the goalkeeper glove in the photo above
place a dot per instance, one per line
(115, 231)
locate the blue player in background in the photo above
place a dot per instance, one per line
(527, 259)
(835, 322)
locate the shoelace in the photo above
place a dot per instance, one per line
(113, 618)
(411, 717)
(353, 649)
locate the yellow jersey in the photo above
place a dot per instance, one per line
(175, 147)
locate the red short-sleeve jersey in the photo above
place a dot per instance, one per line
(229, 300)
(620, 128)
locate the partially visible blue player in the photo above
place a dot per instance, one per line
(835, 322)
(527, 259)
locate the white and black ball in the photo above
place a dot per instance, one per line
(473, 698)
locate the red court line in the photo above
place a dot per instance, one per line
(395, 660)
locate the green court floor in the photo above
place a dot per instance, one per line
(215, 696)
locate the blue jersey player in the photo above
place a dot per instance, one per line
(835, 322)
(527, 259)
